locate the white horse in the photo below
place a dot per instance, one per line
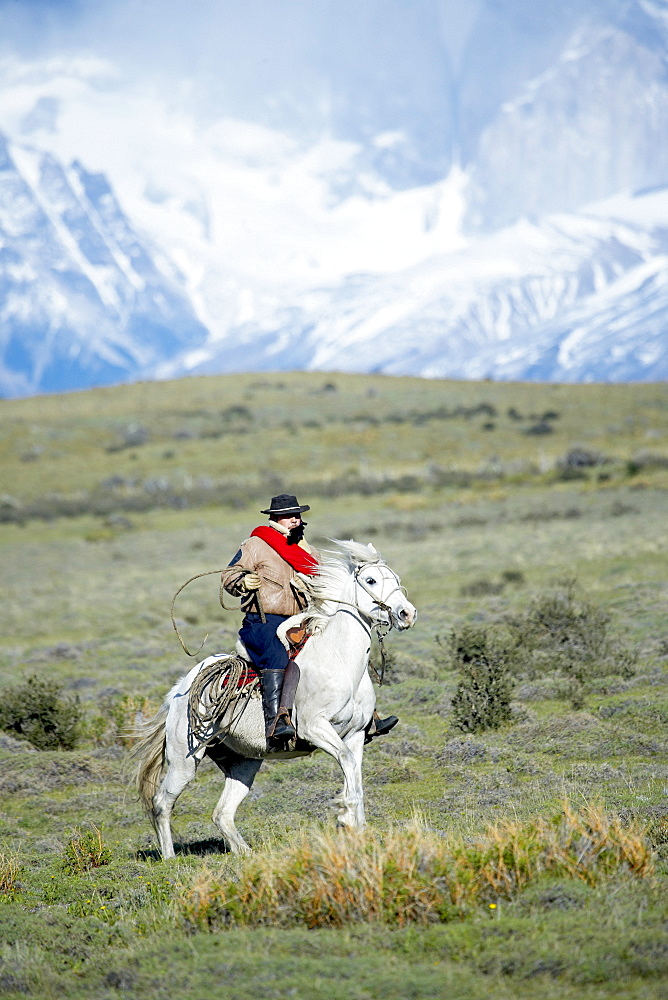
(352, 593)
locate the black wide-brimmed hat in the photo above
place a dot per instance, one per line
(284, 505)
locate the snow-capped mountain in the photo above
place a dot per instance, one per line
(438, 189)
(573, 298)
(82, 299)
(593, 123)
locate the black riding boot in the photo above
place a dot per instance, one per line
(277, 728)
(378, 726)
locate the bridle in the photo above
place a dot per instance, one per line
(365, 587)
(384, 606)
(376, 600)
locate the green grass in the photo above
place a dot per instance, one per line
(342, 433)
(85, 603)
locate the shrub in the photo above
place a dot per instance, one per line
(37, 712)
(644, 461)
(132, 436)
(569, 474)
(582, 458)
(118, 720)
(657, 832)
(515, 577)
(563, 632)
(481, 588)
(128, 713)
(482, 698)
(84, 851)
(542, 427)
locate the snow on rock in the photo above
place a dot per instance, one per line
(81, 298)
(576, 297)
(539, 251)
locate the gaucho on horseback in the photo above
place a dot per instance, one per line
(262, 574)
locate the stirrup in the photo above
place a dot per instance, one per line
(379, 727)
(281, 727)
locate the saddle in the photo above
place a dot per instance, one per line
(293, 637)
(296, 636)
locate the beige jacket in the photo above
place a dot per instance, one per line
(278, 595)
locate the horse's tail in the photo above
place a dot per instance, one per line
(149, 754)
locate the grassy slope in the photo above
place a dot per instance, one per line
(86, 600)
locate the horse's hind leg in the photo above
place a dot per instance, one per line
(179, 774)
(239, 776)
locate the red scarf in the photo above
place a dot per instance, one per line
(298, 558)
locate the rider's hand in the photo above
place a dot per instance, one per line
(252, 581)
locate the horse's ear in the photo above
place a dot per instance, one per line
(373, 548)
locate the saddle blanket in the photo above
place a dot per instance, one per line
(244, 680)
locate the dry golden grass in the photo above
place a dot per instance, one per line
(587, 844)
(411, 875)
(9, 872)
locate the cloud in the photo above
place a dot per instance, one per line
(350, 66)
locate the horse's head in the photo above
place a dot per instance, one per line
(382, 597)
(378, 593)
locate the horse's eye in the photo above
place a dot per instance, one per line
(370, 580)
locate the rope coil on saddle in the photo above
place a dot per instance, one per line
(222, 685)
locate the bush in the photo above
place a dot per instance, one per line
(132, 436)
(514, 577)
(84, 851)
(542, 427)
(481, 588)
(565, 633)
(36, 711)
(118, 718)
(582, 458)
(482, 698)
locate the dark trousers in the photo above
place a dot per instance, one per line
(264, 647)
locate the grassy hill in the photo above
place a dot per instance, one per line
(490, 500)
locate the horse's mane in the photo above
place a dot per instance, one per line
(334, 574)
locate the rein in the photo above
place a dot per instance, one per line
(344, 611)
(376, 626)
(379, 635)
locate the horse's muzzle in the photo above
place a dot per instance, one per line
(404, 617)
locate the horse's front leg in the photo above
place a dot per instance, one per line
(348, 754)
(355, 743)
